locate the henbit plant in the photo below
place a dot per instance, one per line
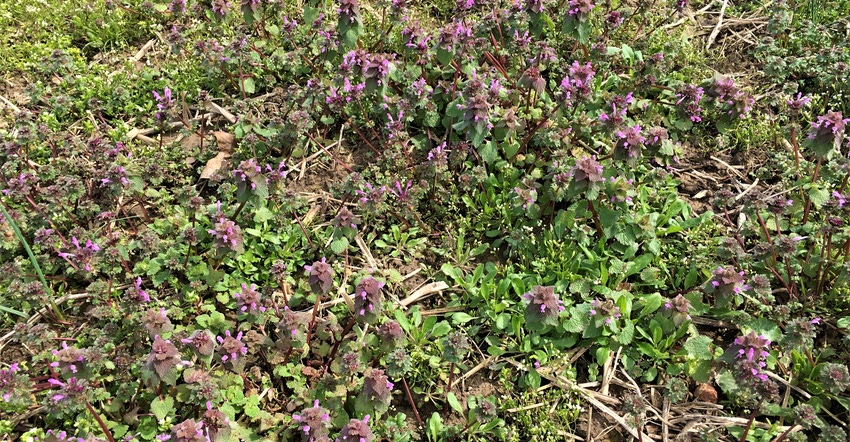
(544, 142)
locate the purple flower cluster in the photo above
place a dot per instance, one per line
(678, 308)
(202, 342)
(356, 431)
(292, 329)
(828, 131)
(377, 388)
(248, 300)
(164, 103)
(797, 104)
(580, 9)
(587, 170)
(227, 234)
(115, 174)
(320, 276)
(11, 382)
(345, 219)
(314, 422)
(137, 293)
(542, 305)
(22, 184)
(604, 312)
(629, 145)
(688, 102)
(371, 194)
(526, 197)
(577, 84)
(58, 436)
(619, 108)
(727, 282)
(348, 10)
(247, 172)
(391, 335)
(163, 357)
(82, 256)
(751, 352)
(156, 322)
(231, 348)
(188, 431)
(71, 392)
(71, 360)
(367, 298)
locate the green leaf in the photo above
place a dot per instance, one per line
(764, 326)
(818, 196)
(248, 85)
(435, 427)
(626, 334)
(699, 347)
(339, 245)
(510, 148)
(651, 303)
(262, 215)
(489, 152)
(442, 328)
(162, 407)
(639, 263)
(454, 403)
(461, 318)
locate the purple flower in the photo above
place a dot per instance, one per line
(136, 292)
(11, 382)
(156, 322)
(727, 282)
(69, 359)
(751, 352)
(542, 305)
(723, 89)
(391, 335)
(314, 422)
(580, 9)
(248, 172)
(201, 341)
(345, 219)
(163, 357)
(82, 255)
(678, 308)
(377, 389)
(227, 234)
(356, 431)
(71, 391)
(320, 276)
(527, 197)
(348, 10)
(367, 298)
(231, 348)
(371, 194)
(577, 84)
(587, 170)
(163, 103)
(630, 143)
(604, 313)
(188, 431)
(688, 102)
(828, 132)
(248, 300)
(796, 104)
(292, 329)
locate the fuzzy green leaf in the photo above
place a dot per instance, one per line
(162, 407)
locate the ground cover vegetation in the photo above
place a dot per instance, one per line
(407, 220)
